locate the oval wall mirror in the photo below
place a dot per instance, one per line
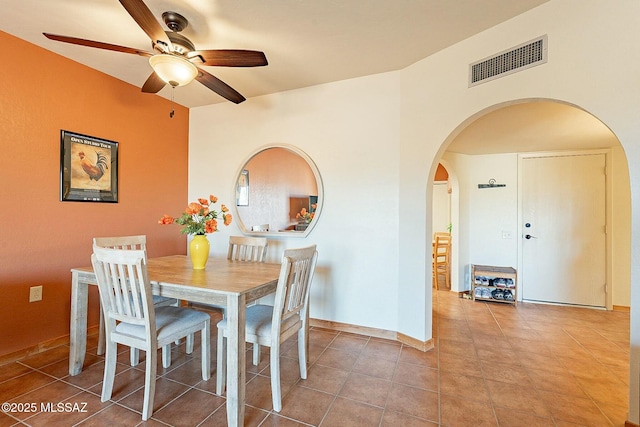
(278, 193)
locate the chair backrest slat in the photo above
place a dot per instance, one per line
(124, 285)
(122, 242)
(296, 274)
(249, 249)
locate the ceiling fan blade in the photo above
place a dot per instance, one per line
(219, 87)
(99, 45)
(231, 57)
(145, 19)
(153, 84)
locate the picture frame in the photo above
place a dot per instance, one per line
(88, 168)
(242, 189)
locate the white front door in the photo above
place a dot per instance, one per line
(563, 229)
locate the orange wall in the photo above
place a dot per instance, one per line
(41, 238)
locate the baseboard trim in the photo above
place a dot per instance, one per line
(623, 308)
(630, 424)
(374, 332)
(417, 344)
(40, 347)
(316, 323)
(354, 329)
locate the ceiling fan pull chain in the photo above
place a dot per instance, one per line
(173, 88)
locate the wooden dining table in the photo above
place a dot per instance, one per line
(233, 284)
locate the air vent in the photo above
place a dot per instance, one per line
(510, 61)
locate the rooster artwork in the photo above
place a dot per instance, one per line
(96, 169)
(89, 168)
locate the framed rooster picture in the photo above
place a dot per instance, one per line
(88, 168)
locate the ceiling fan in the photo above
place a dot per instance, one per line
(175, 59)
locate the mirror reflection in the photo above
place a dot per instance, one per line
(278, 190)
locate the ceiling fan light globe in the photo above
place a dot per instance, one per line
(173, 69)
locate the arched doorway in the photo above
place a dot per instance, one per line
(487, 147)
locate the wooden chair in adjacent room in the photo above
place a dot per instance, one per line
(442, 259)
(272, 325)
(261, 227)
(138, 242)
(132, 319)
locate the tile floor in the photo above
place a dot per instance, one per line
(493, 365)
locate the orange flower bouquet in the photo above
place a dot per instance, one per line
(306, 216)
(199, 218)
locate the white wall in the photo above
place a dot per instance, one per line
(487, 213)
(593, 63)
(350, 129)
(377, 140)
(441, 207)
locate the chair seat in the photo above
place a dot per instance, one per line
(258, 321)
(170, 321)
(159, 301)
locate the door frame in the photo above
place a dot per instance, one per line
(608, 211)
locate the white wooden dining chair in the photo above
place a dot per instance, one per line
(244, 249)
(442, 259)
(272, 325)
(131, 319)
(250, 249)
(131, 243)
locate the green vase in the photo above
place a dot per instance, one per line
(199, 251)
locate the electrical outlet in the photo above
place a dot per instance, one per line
(506, 234)
(35, 293)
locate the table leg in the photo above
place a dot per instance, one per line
(236, 359)
(78, 330)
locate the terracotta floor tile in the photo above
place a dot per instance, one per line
(189, 409)
(117, 416)
(365, 389)
(16, 369)
(306, 405)
(458, 348)
(349, 413)
(457, 412)
(338, 359)
(464, 386)
(413, 401)
(166, 391)
(375, 367)
(349, 343)
(88, 405)
(571, 409)
(460, 365)
(416, 376)
(42, 359)
(505, 372)
(517, 397)
(253, 417)
(416, 357)
(510, 418)
(51, 393)
(395, 419)
(556, 382)
(609, 390)
(23, 384)
(491, 364)
(325, 378)
(383, 349)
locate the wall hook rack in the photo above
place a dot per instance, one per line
(491, 184)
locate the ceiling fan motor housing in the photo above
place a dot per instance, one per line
(175, 21)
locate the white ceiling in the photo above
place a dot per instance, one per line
(307, 42)
(531, 127)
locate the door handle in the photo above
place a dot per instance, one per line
(529, 236)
